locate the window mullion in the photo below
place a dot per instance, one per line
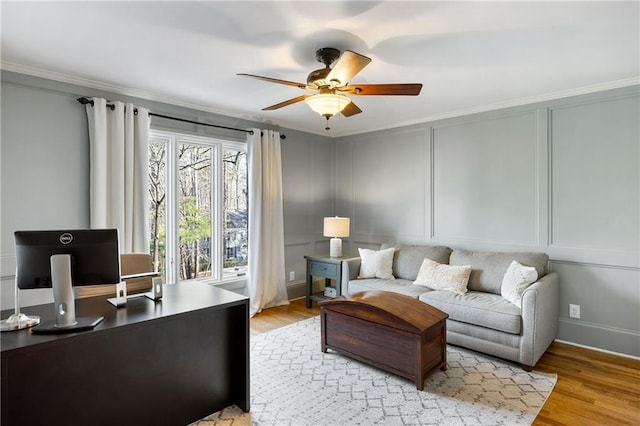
(173, 220)
(216, 211)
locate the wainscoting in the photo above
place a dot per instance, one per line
(560, 177)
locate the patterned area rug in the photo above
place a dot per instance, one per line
(294, 383)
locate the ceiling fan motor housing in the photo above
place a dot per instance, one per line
(318, 77)
(326, 56)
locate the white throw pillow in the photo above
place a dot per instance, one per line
(439, 276)
(516, 280)
(376, 264)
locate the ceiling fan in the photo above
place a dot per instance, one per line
(332, 85)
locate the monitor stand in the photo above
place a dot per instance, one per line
(64, 302)
(18, 320)
(81, 324)
(121, 290)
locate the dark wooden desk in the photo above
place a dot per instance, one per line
(170, 362)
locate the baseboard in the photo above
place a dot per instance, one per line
(298, 290)
(597, 349)
(615, 339)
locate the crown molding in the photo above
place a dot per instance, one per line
(153, 96)
(618, 84)
(547, 97)
(122, 90)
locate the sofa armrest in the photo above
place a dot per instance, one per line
(350, 270)
(539, 318)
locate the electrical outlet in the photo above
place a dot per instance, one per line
(574, 311)
(292, 275)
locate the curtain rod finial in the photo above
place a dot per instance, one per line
(84, 100)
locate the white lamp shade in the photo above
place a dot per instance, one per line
(336, 227)
(328, 104)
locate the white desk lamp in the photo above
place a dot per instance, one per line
(336, 227)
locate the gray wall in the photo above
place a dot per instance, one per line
(44, 167)
(44, 174)
(560, 177)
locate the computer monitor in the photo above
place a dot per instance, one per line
(62, 259)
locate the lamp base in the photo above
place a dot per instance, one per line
(335, 247)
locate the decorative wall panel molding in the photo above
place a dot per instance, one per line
(592, 335)
(344, 193)
(7, 267)
(584, 283)
(485, 180)
(595, 175)
(389, 177)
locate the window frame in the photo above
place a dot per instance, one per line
(173, 140)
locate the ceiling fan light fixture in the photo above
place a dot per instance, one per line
(330, 84)
(328, 104)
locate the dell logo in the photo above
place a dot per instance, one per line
(66, 238)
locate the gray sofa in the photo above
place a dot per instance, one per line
(480, 319)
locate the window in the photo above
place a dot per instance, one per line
(197, 207)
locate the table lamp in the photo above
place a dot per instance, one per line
(336, 227)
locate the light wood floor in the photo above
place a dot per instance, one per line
(593, 388)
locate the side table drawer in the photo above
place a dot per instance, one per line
(323, 269)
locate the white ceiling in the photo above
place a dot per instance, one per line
(470, 56)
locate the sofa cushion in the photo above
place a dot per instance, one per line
(376, 263)
(489, 267)
(408, 258)
(440, 276)
(516, 280)
(478, 308)
(398, 285)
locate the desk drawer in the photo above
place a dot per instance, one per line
(323, 269)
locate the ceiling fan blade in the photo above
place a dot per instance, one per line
(275, 80)
(285, 103)
(351, 109)
(349, 64)
(409, 89)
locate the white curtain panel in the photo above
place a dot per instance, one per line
(266, 275)
(119, 177)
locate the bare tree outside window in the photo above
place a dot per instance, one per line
(157, 197)
(236, 201)
(194, 186)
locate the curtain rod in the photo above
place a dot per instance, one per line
(84, 100)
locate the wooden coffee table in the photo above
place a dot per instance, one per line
(391, 331)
